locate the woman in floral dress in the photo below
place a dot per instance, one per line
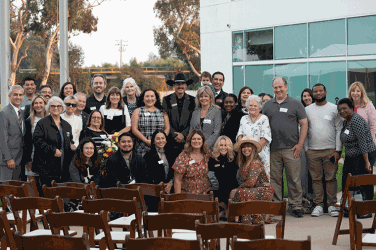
(191, 166)
(257, 126)
(255, 186)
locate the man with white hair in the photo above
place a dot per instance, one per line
(81, 97)
(12, 136)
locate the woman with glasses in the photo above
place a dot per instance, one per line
(53, 143)
(131, 93)
(94, 128)
(75, 121)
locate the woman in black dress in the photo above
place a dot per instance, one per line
(231, 119)
(94, 128)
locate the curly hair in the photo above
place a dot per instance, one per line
(188, 147)
(230, 148)
(158, 105)
(79, 158)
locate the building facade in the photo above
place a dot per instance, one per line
(328, 41)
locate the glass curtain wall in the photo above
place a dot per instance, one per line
(259, 78)
(364, 72)
(238, 78)
(290, 41)
(296, 76)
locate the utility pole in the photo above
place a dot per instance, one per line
(64, 59)
(4, 52)
(121, 49)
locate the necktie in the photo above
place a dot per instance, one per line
(20, 119)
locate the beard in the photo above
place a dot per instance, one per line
(125, 151)
(321, 100)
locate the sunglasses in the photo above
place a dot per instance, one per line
(71, 105)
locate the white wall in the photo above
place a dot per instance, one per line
(251, 14)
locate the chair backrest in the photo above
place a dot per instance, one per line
(115, 205)
(167, 221)
(6, 235)
(52, 242)
(363, 207)
(192, 206)
(66, 192)
(31, 203)
(31, 186)
(7, 190)
(68, 184)
(89, 222)
(272, 244)
(163, 244)
(187, 196)
(147, 189)
(259, 207)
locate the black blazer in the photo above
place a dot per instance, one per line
(28, 139)
(232, 125)
(155, 170)
(117, 170)
(27, 111)
(47, 139)
(85, 117)
(220, 98)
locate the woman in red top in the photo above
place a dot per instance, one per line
(191, 166)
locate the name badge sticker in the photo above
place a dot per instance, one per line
(191, 162)
(110, 117)
(328, 117)
(346, 132)
(283, 110)
(160, 162)
(93, 108)
(147, 113)
(173, 105)
(103, 136)
(207, 121)
(22, 108)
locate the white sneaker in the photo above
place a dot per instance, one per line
(318, 211)
(333, 211)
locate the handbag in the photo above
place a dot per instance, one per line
(213, 180)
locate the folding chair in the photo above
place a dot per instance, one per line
(6, 234)
(163, 244)
(187, 196)
(351, 182)
(216, 231)
(271, 244)
(356, 227)
(260, 207)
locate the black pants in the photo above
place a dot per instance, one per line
(356, 166)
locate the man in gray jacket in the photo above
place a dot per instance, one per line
(11, 136)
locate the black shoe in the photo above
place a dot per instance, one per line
(297, 213)
(363, 216)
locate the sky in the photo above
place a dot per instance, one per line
(130, 20)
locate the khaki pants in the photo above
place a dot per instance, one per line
(292, 166)
(319, 163)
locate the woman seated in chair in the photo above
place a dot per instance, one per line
(256, 184)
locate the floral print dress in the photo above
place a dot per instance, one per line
(259, 129)
(195, 174)
(256, 187)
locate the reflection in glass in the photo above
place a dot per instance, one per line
(237, 46)
(361, 35)
(332, 75)
(365, 72)
(259, 78)
(259, 45)
(238, 78)
(296, 76)
(290, 41)
(327, 38)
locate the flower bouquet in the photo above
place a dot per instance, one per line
(108, 147)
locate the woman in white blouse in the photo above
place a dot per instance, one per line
(257, 126)
(115, 113)
(71, 103)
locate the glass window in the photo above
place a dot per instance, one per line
(364, 72)
(361, 35)
(238, 78)
(237, 47)
(296, 76)
(332, 75)
(259, 78)
(259, 45)
(327, 38)
(290, 41)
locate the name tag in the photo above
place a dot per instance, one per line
(207, 121)
(93, 108)
(346, 132)
(218, 100)
(22, 108)
(283, 110)
(147, 114)
(328, 117)
(173, 105)
(104, 136)
(191, 162)
(160, 162)
(217, 165)
(110, 117)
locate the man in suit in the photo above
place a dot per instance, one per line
(179, 106)
(80, 108)
(218, 82)
(11, 136)
(46, 92)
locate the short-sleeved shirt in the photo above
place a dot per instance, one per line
(284, 122)
(93, 104)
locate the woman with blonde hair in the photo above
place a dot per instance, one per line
(131, 93)
(222, 166)
(363, 106)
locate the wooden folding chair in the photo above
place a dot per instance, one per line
(260, 207)
(227, 230)
(271, 244)
(164, 223)
(51, 242)
(163, 244)
(6, 234)
(351, 182)
(356, 227)
(30, 204)
(88, 222)
(119, 206)
(187, 196)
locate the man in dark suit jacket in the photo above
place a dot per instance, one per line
(11, 136)
(180, 107)
(218, 82)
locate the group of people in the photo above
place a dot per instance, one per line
(236, 146)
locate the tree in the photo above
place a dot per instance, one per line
(180, 31)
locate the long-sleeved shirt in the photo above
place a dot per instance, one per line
(76, 123)
(324, 127)
(369, 114)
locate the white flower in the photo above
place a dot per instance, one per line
(107, 143)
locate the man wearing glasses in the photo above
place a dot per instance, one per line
(46, 92)
(98, 98)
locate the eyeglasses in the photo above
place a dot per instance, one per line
(56, 106)
(46, 92)
(71, 105)
(96, 118)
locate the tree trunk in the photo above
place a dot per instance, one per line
(49, 54)
(191, 65)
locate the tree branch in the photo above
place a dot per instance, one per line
(191, 65)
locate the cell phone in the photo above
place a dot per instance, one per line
(332, 159)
